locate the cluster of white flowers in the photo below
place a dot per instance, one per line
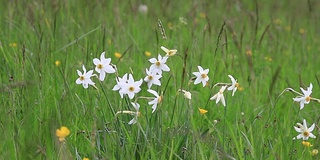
(202, 77)
(303, 98)
(128, 87)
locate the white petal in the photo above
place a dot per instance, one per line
(197, 81)
(299, 136)
(312, 135)
(204, 82)
(165, 67)
(153, 92)
(153, 60)
(96, 61)
(311, 127)
(223, 101)
(200, 69)
(164, 49)
(214, 97)
(297, 129)
(133, 121)
(102, 76)
(78, 81)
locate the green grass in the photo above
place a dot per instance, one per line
(37, 97)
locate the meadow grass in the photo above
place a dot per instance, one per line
(266, 45)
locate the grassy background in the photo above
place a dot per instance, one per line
(37, 97)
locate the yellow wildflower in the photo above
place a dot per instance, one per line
(202, 111)
(57, 63)
(148, 54)
(202, 15)
(269, 59)
(118, 55)
(13, 44)
(288, 28)
(85, 158)
(248, 53)
(301, 31)
(62, 133)
(307, 144)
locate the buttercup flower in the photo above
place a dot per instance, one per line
(159, 65)
(152, 78)
(304, 131)
(155, 101)
(169, 53)
(131, 87)
(305, 98)
(85, 78)
(307, 144)
(202, 76)
(219, 96)
(62, 133)
(136, 113)
(120, 83)
(103, 66)
(234, 86)
(202, 111)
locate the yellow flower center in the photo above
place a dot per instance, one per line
(131, 89)
(237, 85)
(306, 133)
(203, 75)
(100, 66)
(150, 78)
(158, 63)
(139, 114)
(81, 78)
(308, 99)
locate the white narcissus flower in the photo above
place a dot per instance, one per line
(85, 78)
(202, 76)
(131, 87)
(136, 113)
(159, 65)
(304, 131)
(152, 78)
(305, 99)
(155, 101)
(219, 96)
(121, 82)
(103, 66)
(169, 52)
(234, 86)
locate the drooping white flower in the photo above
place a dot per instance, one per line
(152, 78)
(131, 87)
(169, 52)
(304, 131)
(219, 96)
(155, 101)
(305, 99)
(186, 94)
(121, 82)
(103, 66)
(85, 77)
(159, 65)
(136, 113)
(202, 76)
(234, 86)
